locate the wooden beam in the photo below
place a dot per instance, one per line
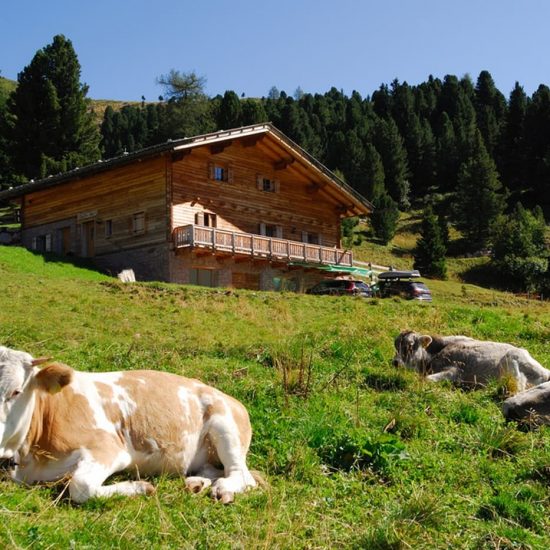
(343, 208)
(217, 148)
(251, 141)
(179, 155)
(314, 187)
(283, 163)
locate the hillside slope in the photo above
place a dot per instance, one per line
(357, 454)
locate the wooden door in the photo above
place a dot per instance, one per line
(65, 240)
(88, 239)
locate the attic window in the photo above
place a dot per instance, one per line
(267, 184)
(220, 172)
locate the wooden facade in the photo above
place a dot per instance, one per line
(239, 208)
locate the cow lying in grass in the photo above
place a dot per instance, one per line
(465, 361)
(532, 405)
(56, 422)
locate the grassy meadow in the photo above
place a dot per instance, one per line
(356, 453)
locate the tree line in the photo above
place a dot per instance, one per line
(458, 147)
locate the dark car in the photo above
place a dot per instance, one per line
(403, 284)
(342, 287)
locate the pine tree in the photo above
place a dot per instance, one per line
(389, 144)
(253, 112)
(49, 124)
(479, 197)
(490, 108)
(429, 254)
(511, 151)
(230, 112)
(372, 184)
(537, 133)
(519, 248)
(384, 218)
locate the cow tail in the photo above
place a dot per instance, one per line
(259, 479)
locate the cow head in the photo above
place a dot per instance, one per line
(410, 350)
(19, 378)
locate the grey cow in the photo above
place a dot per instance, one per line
(466, 361)
(532, 405)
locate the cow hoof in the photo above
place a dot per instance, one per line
(197, 484)
(148, 488)
(226, 498)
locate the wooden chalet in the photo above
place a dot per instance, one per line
(242, 208)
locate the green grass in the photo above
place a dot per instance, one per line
(357, 454)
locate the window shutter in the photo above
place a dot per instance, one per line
(211, 170)
(279, 232)
(304, 236)
(262, 229)
(320, 239)
(260, 182)
(230, 174)
(277, 186)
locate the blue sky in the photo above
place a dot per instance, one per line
(249, 46)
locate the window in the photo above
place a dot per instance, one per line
(220, 172)
(138, 223)
(267, 184)
(311, 238)
(203, 277)
(108, 228)
(271, 230)
(42, 243)
(206, 219)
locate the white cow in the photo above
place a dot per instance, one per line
(57, 422)
(466, 361)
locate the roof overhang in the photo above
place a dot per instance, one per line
(351, 203)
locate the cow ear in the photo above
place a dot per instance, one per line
(425, 340)
(54, 377)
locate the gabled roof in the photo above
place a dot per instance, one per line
(351, 200)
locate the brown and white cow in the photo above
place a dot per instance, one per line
(466, 361)
(56, 422)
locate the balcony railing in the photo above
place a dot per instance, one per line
(258, 246)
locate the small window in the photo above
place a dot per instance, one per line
(271, 230)
(311, 238)
(220, 172)
(138, 223)
(267, 184)
(203, 277)
(206, 219)
(48, 242)
(108, 228)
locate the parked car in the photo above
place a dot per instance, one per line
(403, 284)
(342, 287)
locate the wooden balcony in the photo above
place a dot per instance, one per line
(258, 246)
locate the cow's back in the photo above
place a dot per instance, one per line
(475, 359)
(159, 419)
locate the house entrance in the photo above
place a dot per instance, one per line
(88, 240)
